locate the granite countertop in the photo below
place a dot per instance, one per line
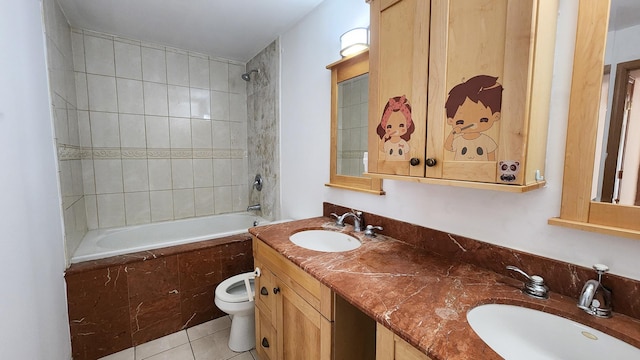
(422, 297)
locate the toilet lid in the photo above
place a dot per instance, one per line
(233, 289)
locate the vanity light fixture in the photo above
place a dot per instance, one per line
(354, 41)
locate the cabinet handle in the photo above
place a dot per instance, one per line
(414, 161)
(276, 290)
(264, 291)
(265, 342)
(431, 162)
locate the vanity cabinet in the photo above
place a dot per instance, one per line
(459, 91)
(390, 346)
(294, 311)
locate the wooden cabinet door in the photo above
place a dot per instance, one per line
(389, 346)
(481, 61)
(302, 332)
(266, 337)
(398, 78)
(265, 298)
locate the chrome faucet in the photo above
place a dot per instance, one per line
(595, 299)
(253, 207)
(357, 219)
(534, 286)
(257, 182)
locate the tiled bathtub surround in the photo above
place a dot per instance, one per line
(563, 278)
(165, 131)
(263, 129)
(123, 301)
(65, 118)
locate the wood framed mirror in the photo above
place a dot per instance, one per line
(578, 209)
(349, 121)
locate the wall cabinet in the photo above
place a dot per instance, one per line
(459, 91)
(390, 346)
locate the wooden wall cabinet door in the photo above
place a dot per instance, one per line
(398, 74)
(477, 76)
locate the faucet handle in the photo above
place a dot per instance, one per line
(339, 219)
(370, 230)
(601, 269)
(535, 287)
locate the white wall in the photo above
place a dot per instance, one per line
(513, 220)
(33, 306)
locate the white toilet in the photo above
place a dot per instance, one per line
(232, 297)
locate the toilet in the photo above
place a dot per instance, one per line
(233, 297)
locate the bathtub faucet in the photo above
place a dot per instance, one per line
(255, 207)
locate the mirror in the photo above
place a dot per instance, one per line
(577, 208)
(353, 102)
(617, 157)
(349, 122)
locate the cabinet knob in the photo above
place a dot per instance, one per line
(265, 342)
(276, 290)
(264, 291)
(414, 161)
(431, 162)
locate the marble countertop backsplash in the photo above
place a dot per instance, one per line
(422, 287)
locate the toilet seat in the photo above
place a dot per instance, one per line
(234, 290)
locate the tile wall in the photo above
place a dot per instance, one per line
(65, 117)
(264, 130)
(165, 129)
(353, 102)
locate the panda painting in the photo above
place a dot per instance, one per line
(509, 170)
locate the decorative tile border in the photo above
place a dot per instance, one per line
(72, 152)
(98, 153)
(69, 152)
(133, 153)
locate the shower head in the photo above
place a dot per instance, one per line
(247, 76)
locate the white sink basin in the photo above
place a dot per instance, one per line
(520, 333)
(325, 240)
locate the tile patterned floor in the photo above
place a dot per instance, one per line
(206, 341)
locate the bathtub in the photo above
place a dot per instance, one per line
(103, 243)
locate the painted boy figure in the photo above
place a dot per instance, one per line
(472, 108)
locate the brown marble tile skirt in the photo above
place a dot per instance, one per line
(126, 300)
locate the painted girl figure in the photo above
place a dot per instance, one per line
(472, 108)
(395, 129)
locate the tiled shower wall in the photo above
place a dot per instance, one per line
(64, 109)
(165, 131)
(263, 128)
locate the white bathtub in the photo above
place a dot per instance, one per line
(98, 244)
